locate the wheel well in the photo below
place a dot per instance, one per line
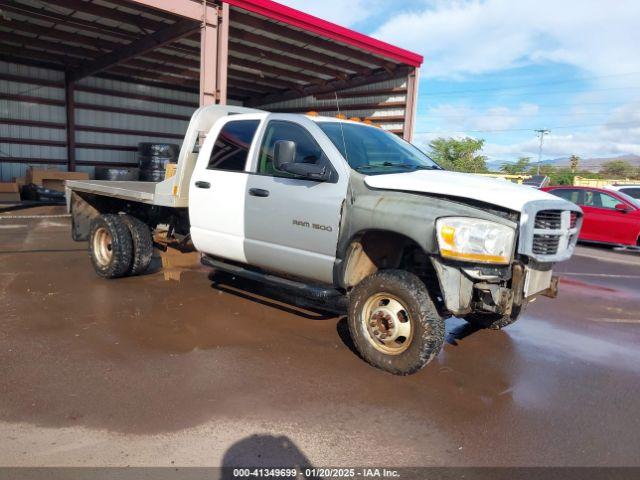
(84, 207)
(375, 250)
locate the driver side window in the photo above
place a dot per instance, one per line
(307, 150)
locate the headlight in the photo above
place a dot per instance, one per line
(475, 240)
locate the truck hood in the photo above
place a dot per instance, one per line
(463, 185)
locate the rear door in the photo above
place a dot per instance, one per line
(218, 187)
(292, 224)
(608, 224)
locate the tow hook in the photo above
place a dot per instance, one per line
(552, 291)
(494, 298)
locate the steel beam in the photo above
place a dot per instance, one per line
(412, 99)
(106, 12)
(242, 36)
(209, 58)
(71, 121)
(183, 8)
(379, 75)
(137, 48)
(308, 39)
(223, 53)
(348, 107)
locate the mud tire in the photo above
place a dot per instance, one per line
(142, 244)
(120, 246)
(493, 321)
(428, 326)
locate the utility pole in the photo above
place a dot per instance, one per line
(541, 133)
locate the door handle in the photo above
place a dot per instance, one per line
(203, 185)
(258, 192)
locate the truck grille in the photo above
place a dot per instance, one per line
(546, 244)
(553, 235)
(549, 219)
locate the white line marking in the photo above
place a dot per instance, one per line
(615, 320)
(21, 217)
(604, 275)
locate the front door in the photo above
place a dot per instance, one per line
(218, 188)
(292, 224)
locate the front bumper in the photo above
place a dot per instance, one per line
(513, 287)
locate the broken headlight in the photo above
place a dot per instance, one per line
(475, 240)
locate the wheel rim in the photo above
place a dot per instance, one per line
(388, 325)
(102, 247)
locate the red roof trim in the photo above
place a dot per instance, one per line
(282, 13)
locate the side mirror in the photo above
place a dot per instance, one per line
(284, 156)
(284, 151)
(621, 207)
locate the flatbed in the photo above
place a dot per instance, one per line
(144, 192)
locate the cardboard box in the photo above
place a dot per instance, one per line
(52, 179)
(9, 192)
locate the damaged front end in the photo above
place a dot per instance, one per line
(508, 276)
(498, 290)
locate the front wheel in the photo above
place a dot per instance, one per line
(393, 323)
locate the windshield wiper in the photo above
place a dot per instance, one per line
(427, 167)
(381, 166)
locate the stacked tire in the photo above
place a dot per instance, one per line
(153, 159)
(117, 174)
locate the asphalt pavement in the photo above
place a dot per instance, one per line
(181, 368)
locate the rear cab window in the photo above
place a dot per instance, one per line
(231, 149)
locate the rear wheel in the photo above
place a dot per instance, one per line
(142, 244)
(110, 246)
(393, 322)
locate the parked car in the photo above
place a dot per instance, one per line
(631, 190)
(609, 216)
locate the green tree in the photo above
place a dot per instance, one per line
(521, 166)
(617, 168)
(574, 161)
(459, 155)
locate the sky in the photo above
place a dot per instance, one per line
(500, 69)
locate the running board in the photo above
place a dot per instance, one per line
(326, 297)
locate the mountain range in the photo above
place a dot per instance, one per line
(591, 164)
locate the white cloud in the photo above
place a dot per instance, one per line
(457, 117)
(473, 37)
(619, 135)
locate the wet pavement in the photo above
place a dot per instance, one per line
(190, 369)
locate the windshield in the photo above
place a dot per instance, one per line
(373, 151)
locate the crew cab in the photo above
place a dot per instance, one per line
(347, 215)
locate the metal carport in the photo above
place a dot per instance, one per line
(82, 81)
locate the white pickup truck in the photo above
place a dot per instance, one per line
(345, 214)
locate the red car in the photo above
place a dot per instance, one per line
(609, 216)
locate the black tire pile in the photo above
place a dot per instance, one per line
(117, 174)
(153, 159)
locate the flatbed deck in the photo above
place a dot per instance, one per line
(144, 192)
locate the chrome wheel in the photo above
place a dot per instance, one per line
(388, 323)
(102, 246)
